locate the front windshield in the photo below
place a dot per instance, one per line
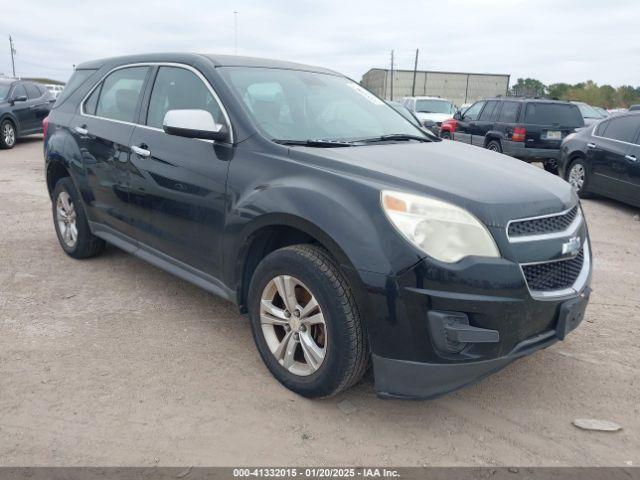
(588, 111)
(299, 105)
(434, 106)
(4, 91)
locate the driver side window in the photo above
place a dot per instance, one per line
(473, 112)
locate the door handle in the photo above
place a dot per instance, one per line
(82, 130)
(143, 152)
(631, 158)
(591, 145)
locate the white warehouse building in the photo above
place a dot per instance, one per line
(458, 87)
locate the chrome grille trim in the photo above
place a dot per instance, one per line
(574, 289)
(573, 227)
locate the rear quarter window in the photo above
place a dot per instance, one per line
(553, 114)
(77, 79)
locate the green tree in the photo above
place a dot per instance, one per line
(529, 87)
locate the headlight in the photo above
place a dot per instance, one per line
(440, 229)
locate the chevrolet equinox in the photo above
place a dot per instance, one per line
(350, 236)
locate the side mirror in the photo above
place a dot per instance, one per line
(21, 98)
(194, 124)
(457, 115)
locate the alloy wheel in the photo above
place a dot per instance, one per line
(293, 325)
(9, 135)
(576, 176)
(66, 218)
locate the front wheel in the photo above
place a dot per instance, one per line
(306, 323)
(445, 135)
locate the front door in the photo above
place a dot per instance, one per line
(466, 126)
(178, 183)
(102, 131)
(22, 110)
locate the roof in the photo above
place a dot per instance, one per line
(398, 70)
(7, 81)
(216, 60)
(526, 99)
(427, 97)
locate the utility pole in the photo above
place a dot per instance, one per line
(235, 31)
(392, 75)
(13, 51)
(415, 71)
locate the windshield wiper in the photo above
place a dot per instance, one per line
(313, 143)
(396, 136)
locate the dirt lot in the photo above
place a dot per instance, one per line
(113, 362)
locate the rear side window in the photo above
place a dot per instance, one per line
(509, 112)
(602, 126)
(487, 113)
(91, 103)
(32, 91)
(177, 89)
(120, 93)
(623, 129)
(553, 114)
(77, 79)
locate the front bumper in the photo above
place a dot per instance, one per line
(480, 309)
(417, 380)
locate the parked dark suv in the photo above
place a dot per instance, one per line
(526, 128)
(23, 106)
(345, 232)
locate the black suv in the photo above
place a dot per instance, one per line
(530, 129)
(345, 232)
(23, 107)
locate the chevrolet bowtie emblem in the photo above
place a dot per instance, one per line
(572, 247)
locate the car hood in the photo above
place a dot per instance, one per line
(494, 187)
(435, 117)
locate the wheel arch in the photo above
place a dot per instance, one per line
(277, 230)
(493, 135)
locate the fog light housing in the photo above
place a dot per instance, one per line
(451, 332)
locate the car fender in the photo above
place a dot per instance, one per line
(494, 135)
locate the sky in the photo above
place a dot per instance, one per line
(551, 40)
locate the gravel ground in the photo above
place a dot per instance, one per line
(111, 361)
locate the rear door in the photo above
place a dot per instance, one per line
(102, 131)
(467, 124)
(38, 104)
(178, 183)
(634, 171)
(610, 153)
(547, 123)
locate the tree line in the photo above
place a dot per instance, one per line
(604, 96)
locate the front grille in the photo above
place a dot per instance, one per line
(544, 277)
(540, 226)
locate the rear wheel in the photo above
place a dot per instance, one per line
(71, 223)
(7, 134)
(494, 146)
(306, 323)
(578, 177)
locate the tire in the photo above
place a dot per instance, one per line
(68, 213)
(572, 175)
(8, 135)
(551, 167)
(494, 146)
(445, 135)
(311, 274)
